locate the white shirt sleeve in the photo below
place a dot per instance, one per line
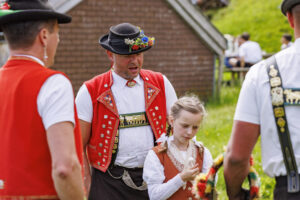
(247, 107)
(84, 104)
(207, 161)
(171, 96)
(55, 101)
(153, 175)
(242, 51)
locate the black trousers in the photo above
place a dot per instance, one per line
(280, 192)
(105, 187)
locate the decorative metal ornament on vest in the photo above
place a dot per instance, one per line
(131, 83)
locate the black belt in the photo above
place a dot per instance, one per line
(281, 181)
(128, 169)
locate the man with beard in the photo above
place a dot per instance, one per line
(122, 113)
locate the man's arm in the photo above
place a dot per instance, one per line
(236, 163)
(242, 61)
(66, 169)
(86, 133)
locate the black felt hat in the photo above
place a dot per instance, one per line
(287, 5)
(126, 39)
(13, 11)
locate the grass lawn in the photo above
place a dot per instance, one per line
(215, 133)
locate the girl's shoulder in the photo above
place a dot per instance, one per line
(199, 145)
(160, 148)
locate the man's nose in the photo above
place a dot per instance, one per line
(133, 58)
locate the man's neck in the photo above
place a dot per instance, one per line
(19, 52)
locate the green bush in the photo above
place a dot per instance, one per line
(262, 19)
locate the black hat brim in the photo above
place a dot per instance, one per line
(104, 43)
(288, 4)
(32, 15)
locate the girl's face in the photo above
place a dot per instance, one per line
(185, 127)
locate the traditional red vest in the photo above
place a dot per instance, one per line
(171, 171)
(105, 121)
(25, 162)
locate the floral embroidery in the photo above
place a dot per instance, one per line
(108, 100)
(150, 92)
(140, 42)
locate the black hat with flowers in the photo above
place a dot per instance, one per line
(126, 39)
(287, 5)
(14, 11)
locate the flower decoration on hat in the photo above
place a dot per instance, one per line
(140, 42)
(4, 6)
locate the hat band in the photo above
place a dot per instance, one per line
(6, 12)
(116, 41)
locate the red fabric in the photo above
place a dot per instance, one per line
(171, 171)
(25, 164)
(106, 118)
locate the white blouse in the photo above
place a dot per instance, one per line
(154, 175)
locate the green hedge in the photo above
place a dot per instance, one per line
(261, 18)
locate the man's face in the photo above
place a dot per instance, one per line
(127, 66)
(283, 40)
(240, 41)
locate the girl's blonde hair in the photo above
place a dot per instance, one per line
(190, 103)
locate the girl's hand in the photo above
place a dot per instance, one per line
(188, 174)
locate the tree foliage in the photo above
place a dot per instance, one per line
(262, 19)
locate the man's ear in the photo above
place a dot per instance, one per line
(43, 36)
(290, 18)
(110, 56)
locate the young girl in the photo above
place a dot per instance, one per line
(171, 167)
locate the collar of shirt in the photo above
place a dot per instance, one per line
(297, 44)
(121, 82)
(32, 57)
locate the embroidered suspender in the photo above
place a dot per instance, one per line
(133, 120)
(278, 101)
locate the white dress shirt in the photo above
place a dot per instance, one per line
(251, 52)
(134, 143)
(154, 175)
(254, 106)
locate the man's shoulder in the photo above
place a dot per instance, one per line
(151, 75)
(99, 82)
(150, 72)
(99, 78)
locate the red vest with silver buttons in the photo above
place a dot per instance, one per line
(25, 160)
(105, 121)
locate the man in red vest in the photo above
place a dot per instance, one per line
(122, 113)
(40, 141)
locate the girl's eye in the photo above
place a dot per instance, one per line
(195, 127)
(185, 126)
